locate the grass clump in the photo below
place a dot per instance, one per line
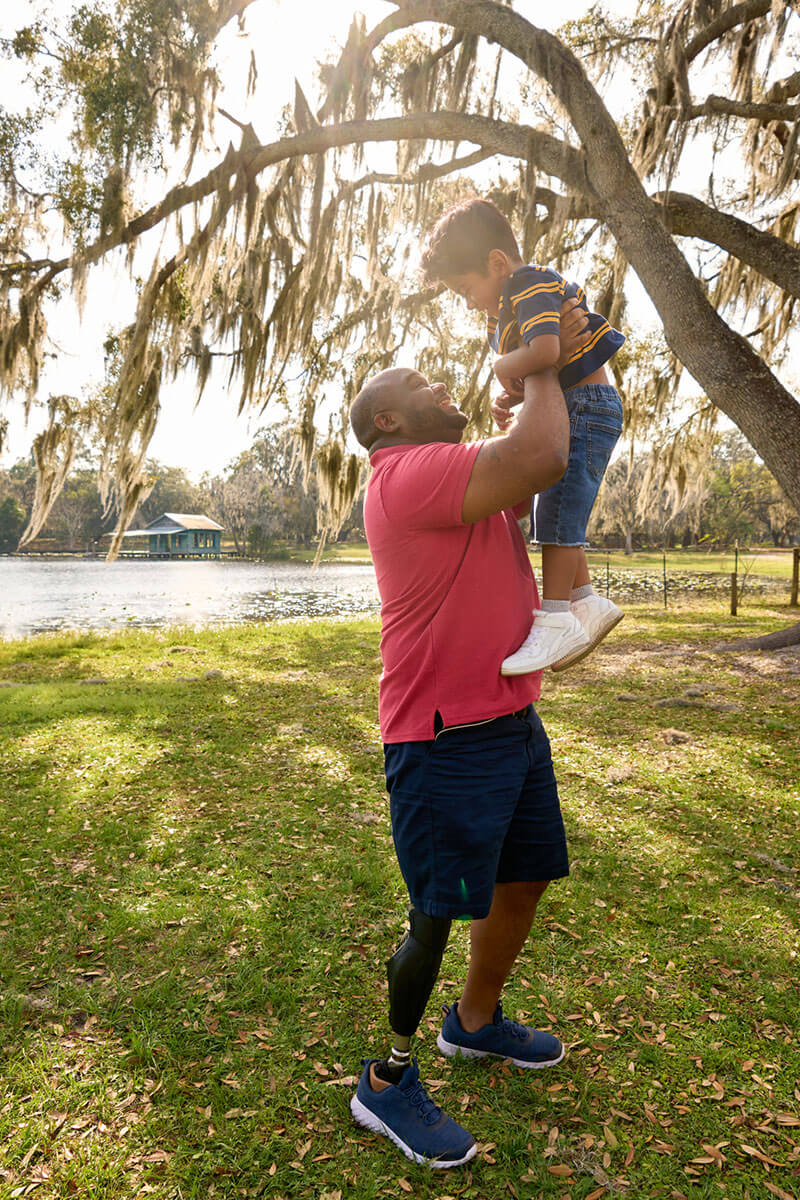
(199, 891)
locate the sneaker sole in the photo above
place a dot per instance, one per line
(453, 1048)
(575, 643)
(571, 659)
(366, 1118)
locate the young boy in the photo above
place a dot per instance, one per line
(474, 252)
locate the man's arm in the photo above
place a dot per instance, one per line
(528, 459)
(532, 456)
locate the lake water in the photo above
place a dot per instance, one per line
(45, 595)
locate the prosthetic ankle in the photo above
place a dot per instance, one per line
(412, 971)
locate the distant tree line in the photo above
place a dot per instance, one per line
(260, 499)
(735, 499)
(262, 503)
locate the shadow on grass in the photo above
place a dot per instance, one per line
(202, 888)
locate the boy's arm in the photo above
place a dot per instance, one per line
(537, 355)
(574, 332)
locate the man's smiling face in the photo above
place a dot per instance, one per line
(426, 409)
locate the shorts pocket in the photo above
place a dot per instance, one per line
(601, 438)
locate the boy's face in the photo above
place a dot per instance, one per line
(480, 292)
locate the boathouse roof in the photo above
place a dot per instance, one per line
(171, 522)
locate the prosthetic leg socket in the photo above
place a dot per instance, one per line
(413, 970)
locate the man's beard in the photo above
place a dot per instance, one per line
(435, 424)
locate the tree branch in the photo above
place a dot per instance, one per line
(494, 137)
(739, 14)
(784, 88)
(770, 256)
(734, 377)
(735, 108)
(686, 216)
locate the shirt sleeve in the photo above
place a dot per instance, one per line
(424, 487)
(536, 302)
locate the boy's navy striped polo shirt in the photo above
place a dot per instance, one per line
(531, 305)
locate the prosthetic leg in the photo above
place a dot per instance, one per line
(412, 971)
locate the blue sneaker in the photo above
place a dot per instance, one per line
(407, 1115)
(525, 1047)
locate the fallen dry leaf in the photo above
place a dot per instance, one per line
(33, 1150)
(158, 1156)
(754, 1153)
(777, 1191)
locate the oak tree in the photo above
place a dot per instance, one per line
(297, 255)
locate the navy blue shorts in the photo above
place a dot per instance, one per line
(476, 806)
(559, 516)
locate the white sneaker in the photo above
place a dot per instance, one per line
(553, 635)
(598, 616)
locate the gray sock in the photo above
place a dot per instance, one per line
(555, 606)
(582, 592)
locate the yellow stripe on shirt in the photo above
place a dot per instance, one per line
(601, 332)
(546, 318)
(506, 336)
(536, 289)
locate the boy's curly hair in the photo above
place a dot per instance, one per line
(462, 239)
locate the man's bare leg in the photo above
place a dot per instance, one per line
(496, 942)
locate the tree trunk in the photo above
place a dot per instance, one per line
(733, 376)
(770, 641)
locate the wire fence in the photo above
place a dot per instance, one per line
(672, 582)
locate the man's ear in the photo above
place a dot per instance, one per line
(386, 421)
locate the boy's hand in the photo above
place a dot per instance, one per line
(501, 409)
(511, 384)
(574, 331)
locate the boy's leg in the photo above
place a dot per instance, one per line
(582, 578)
(597, 614)
(556, 631)
(560, 568)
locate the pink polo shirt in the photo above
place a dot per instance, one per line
(456, 599)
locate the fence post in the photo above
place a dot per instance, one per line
(734, 582)
(795, 576)
(664, 568)
(608, 579)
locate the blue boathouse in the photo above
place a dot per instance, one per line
(178, 535)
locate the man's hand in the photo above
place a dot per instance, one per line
(573, 332)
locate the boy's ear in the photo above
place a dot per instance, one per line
(497, 265)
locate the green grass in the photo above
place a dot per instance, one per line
(198, 893)
(760, 562)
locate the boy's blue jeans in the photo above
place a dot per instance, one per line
(560, 515)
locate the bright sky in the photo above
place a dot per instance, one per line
(207, 437)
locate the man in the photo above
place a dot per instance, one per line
(474, 805)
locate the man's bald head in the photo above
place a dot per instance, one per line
(376, 394)
(399, 406)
